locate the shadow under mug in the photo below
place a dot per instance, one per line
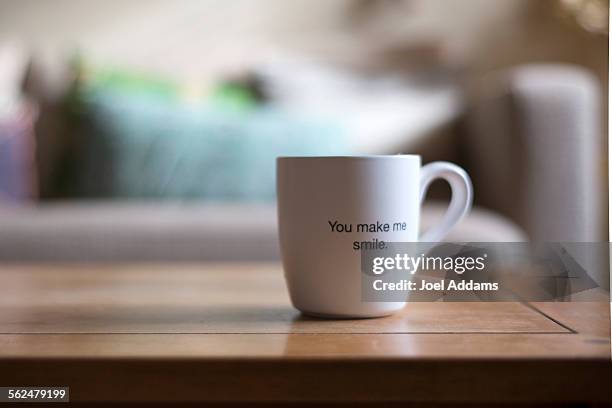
(324, 206)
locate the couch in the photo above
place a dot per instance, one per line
(530, 138)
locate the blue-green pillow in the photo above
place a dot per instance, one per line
(137, 145)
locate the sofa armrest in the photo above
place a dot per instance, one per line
(536, 151)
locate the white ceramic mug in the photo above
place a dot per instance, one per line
(322, 201)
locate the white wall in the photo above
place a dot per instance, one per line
(199, 37)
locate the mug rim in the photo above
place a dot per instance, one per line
(353, 157)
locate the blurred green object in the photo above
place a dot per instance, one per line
(137, 139)
(90, 77)
(234, 96)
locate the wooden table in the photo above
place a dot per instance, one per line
(227, 332)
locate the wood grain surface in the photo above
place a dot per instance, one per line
(120, 332)
(216, 299)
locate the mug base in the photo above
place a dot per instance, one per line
(332, 316)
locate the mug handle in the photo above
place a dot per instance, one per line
(461, 200)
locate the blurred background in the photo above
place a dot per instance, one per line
(147, 130)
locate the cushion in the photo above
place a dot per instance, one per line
(17, 155)
(139, 142)
(17, 164)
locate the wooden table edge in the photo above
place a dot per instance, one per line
(267, 379)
